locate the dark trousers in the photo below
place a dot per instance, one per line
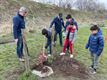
(50, 49)
(60, 37)
(20, 47)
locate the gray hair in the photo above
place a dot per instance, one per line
(23, 9)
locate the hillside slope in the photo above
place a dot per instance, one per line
(39, 14)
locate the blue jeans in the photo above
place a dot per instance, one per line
(20, 47)
(60, 37)
(94, 58)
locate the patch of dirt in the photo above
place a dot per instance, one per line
(67, 67)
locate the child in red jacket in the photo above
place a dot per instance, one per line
(70, 38)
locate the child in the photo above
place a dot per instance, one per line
(95, 45)
(70, 38)
(48, 45)
(70, 19)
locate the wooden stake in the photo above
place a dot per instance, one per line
(26, 53)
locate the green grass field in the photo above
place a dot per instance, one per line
(9, 62)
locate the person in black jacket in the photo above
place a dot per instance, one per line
(58, 22)
(48, 45)
(18, 25)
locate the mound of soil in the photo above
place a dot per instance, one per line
(67, 67)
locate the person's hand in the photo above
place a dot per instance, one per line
(105, 39)
(50, 29)
(72, 42)
(23, 36)
(16, 40)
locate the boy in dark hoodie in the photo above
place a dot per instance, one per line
(48, 45)
(95, 45)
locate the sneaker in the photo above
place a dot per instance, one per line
(71, 56)
(61, 54)
(93, 72)
(21, 59)
(91, 67)
(49, 55)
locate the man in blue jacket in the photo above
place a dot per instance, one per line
(18, 25)
(58, 22)
(95, 45)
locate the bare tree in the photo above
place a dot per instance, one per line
(89, 5)
(66, 3)
(60, 3)
(85, 5)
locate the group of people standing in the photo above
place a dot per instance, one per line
(70, 28)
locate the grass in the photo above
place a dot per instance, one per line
(9, 62)
(8, 57)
